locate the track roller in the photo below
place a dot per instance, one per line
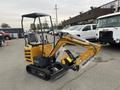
(42, 73)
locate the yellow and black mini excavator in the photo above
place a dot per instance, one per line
(41, 48)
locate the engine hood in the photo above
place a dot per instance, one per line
(108, 29)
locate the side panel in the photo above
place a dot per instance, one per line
(31, 52)
(86, 32)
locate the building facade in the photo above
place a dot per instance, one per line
(110, 4)
(91, 15)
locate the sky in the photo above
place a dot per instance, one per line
(11, 10)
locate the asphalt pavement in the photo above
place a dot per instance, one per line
(101, 74)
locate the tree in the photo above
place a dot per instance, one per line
(45, 25)
(32, 26)
(38, 27)
(5, 25)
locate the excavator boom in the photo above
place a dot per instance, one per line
(92, 49)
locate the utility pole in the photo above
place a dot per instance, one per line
(56, 9)
(117, 6)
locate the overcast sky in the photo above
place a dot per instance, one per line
(11, 10)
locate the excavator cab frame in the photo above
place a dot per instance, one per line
(36, 16)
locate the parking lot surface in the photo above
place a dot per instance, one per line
(102, 74)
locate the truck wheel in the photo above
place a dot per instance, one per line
(60, 35)
(7, 38)
(1, 43)
(114, 44)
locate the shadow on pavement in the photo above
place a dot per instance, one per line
(112, 48)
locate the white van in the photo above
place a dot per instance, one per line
(108, 28)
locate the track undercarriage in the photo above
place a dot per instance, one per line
(50, 72)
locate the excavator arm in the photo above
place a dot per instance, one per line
(91, 51)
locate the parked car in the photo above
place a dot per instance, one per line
(87, 31)
(55, 32)
(7, 36)
(1, 38)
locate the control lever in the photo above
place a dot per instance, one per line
(46, 39)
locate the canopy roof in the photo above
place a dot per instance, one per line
(35, 15)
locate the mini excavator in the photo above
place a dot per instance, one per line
(40, 53)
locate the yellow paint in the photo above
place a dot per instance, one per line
(69, 59)
(91, 50)
(31, 52)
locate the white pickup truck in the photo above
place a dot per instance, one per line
(87, 31)
(108, 28)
